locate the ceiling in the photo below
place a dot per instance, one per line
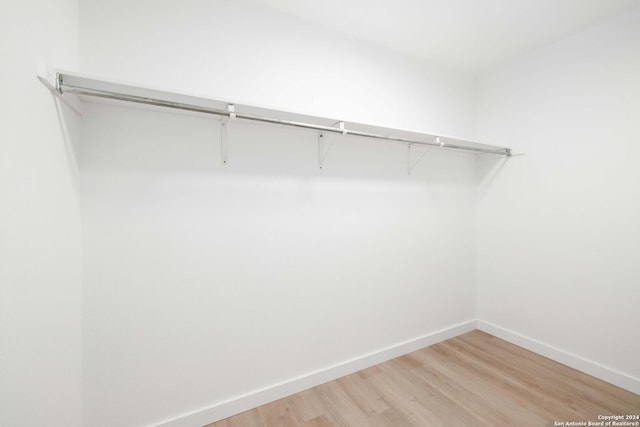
(465, 35)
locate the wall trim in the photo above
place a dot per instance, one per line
(581, 364)
(235, 405)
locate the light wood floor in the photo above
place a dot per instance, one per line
(471, 380)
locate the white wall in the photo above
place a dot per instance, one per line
(204, 282)
(240, 50)
(40, 377)
(558, 229)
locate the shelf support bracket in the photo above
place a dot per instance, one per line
(224, 138)
(411, 165)
(323, 149)
(224, 148)
(321, 153)
(341, 128)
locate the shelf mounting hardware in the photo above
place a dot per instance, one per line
(411, 165)
(224, 137)
(224, 151)
(323, 148)
(322, 139)
(321, 153)
(59, 83)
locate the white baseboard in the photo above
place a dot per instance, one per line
(587, 366)
(286, 388)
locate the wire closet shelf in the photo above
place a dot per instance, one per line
(70, 83)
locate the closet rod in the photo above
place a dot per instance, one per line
(437, 142)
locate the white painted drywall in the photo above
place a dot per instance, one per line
(40, 313)
(204, 282)
(558, 229)
(243, 51)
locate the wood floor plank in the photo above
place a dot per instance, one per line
(597, 393)
(545, 393)
(320, 421)
(474, 379)
(366, 397)
(397, 395)
(477, 404)
(246, 419)
(278, 413)
(574, 376)
(433, 399)
(542, 380)
(340, 407)
(306, 405)
(391, 418)
(372, 370)
(408, 362)
(500, 383)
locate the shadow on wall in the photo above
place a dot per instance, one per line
(69, 122)
(488, 169)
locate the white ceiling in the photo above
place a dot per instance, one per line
(465, 35)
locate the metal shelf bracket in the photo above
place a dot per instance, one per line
(224, 140)
(411, 165)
